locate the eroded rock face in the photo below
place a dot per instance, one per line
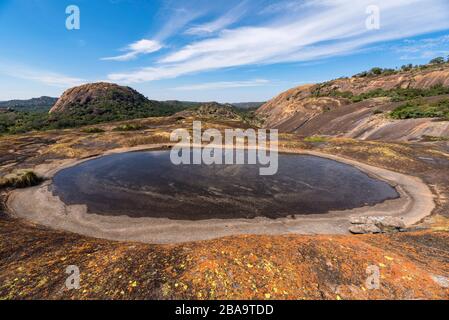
(93, 95)
(302, 111)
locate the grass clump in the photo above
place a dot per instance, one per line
(92, 130)
(422, 109)
(21, 180)
(316, 139)
(427, 138)
(128, 127)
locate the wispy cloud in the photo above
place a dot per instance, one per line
(423, 48)
(136, 49)
(42, 76)
(326, 28)
(226, 20)
(224, 85)
(176, 19)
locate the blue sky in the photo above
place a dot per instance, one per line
(198, 50)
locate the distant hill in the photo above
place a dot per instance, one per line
(211, 110)
(248, 105)
(220, 112)
(42, 104)
(181, 104)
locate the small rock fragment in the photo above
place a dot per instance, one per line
(442, 281)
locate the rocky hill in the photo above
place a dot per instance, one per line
(101, 102)
(212, 110)
(97, 98)
(87, 105)
(220, 112)
(362, 106)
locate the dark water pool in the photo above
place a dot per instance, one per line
(147, 184)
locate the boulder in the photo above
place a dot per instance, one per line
(364, 229)
(375, 223)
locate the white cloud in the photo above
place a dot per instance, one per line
(176, 19)
(222, 22)
(135, 49)
(42, 76)
(224, 85)
(328, 28)
(424, 48)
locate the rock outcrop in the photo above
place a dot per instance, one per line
(219, 112)
(364, 225)
(94, 97)
(315, 109)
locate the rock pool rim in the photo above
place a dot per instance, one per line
(415, 203)
(147, 184)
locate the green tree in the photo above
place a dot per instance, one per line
(376, 71)
(438, 60)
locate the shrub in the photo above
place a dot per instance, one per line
(396, 95)
(92, 130)
(128, 127)
(21, 180)
(438, 60)
(315, 139)
(426, 138)
(422, 109)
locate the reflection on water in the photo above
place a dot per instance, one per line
(147, 184)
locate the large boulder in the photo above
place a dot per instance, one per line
(376, 224)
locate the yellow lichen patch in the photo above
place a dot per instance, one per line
(148, 138)
(65, 149)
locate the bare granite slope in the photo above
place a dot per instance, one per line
(316, 109)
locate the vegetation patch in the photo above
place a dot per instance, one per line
(162, 137)
(422, 109)
(15, 122)
(316, 139)
(376, 71)
(396, 95)
(92, 130)
(426, 138)
(23, 179)
(129, 127)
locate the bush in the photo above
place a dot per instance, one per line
(128, 127)
(426, 138)
(21, 180)
(92, 130)
(421, 109)
(396, 95)
(438, 60)
(315, 139)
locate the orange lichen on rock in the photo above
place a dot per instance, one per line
(411, 266)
